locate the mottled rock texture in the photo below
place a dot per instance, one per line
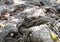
(29, 20)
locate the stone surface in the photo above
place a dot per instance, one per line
(40, 34)
(23, 20)
(7, 29)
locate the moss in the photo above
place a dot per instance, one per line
(53, 36)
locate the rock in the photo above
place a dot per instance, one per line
(40, 34)
(1, 25)
(46, 2)
(6, 30)
(7, 2)
(58, 1)
(17, 2)
(38, 2)
(36, 33)
(29, 19)
(2, 8)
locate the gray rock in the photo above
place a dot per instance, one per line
(30, 16)
(2, 7)
(7, 2)
(40, 34)
(6, 30)
(46, 2)
(36, 33)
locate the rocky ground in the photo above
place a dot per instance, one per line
(29, 20)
